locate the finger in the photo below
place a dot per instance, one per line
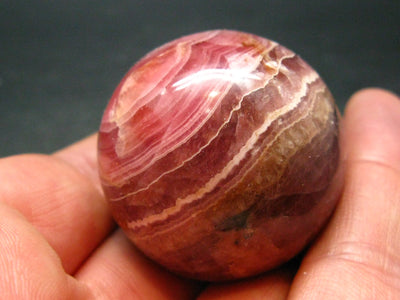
(30, 269)
(372, 118)
(273, 285)
(357, 256)
(82, 155)
(60, 201)
(117, 269)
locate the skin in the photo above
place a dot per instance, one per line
(58, 241)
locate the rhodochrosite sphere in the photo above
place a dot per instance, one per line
(216, 154)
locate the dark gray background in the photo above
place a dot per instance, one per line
(60, 60)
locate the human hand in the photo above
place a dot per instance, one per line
(58, 241)
(57, 238)
(357, 256)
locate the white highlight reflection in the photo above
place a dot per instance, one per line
(234, 76)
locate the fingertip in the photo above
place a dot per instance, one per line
(371, 127)
(371, 95)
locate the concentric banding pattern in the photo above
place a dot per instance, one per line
(212, 120)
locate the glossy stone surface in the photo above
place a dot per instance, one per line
(216, 154)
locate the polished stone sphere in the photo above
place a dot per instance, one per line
(217, 152)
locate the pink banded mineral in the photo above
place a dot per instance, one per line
(217, 152)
